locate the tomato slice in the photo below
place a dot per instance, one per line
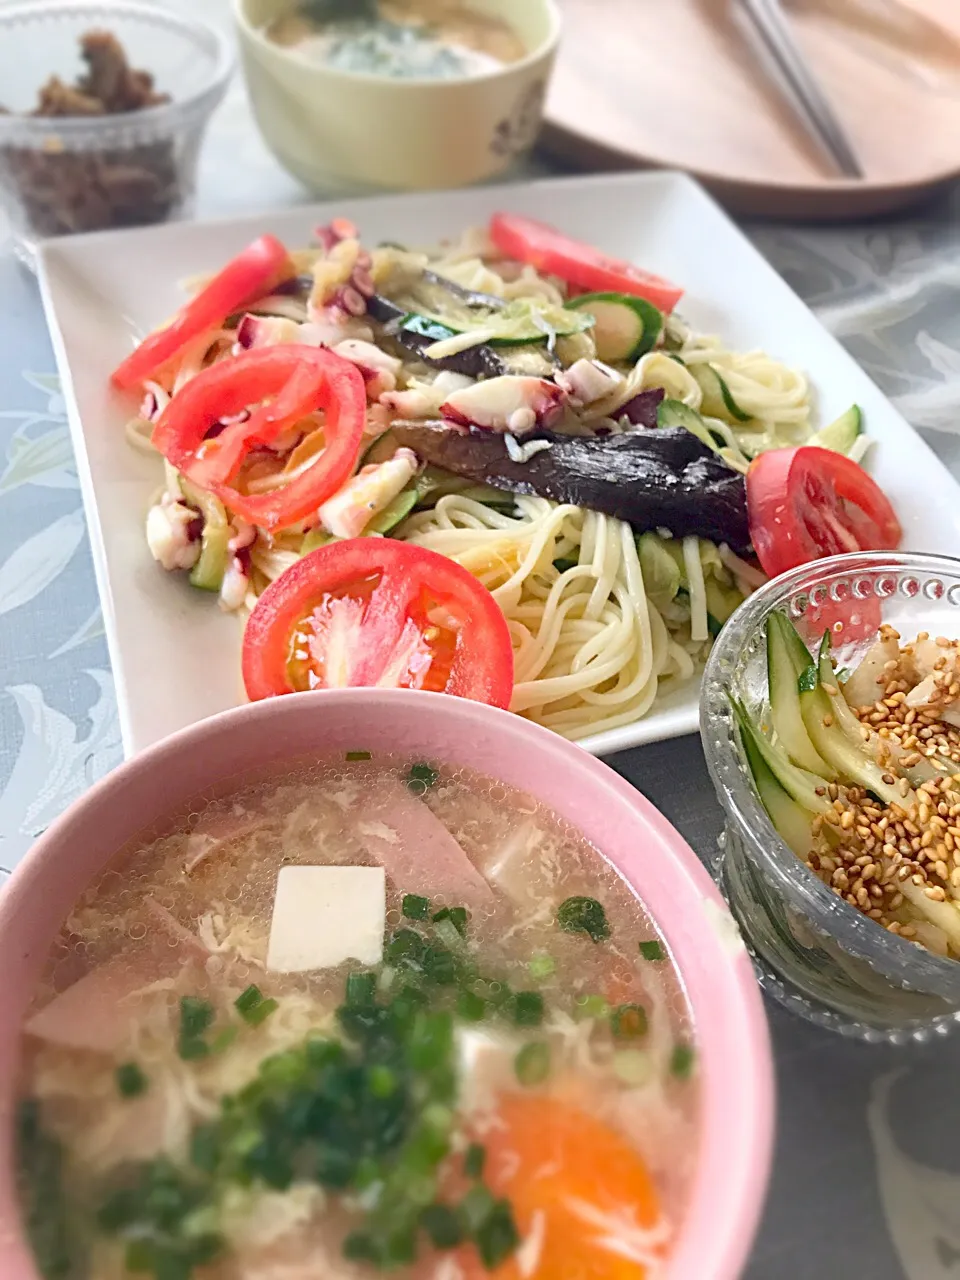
(375, 612)
(579, 264)
(250, 275)
(807, 503)
(300, 380)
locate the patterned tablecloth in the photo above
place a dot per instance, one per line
(867, 1172)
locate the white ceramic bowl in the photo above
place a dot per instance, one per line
(337, 130)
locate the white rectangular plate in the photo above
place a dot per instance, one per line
(176, 657)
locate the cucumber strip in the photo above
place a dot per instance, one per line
(784, 669)
(207, 573)
(674, 413)
(624, 327)
(944, 915)
(718, 401)
(500, 329)
(792, 822)
(840, 435)
(800, 785)
(317, 537)
(392, 514)
(381, 449)
(852, 763)
(722, 602)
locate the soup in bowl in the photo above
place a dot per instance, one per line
(395, 982)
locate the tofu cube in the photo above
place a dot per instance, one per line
(325, 915)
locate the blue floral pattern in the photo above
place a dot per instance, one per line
(867, 1174)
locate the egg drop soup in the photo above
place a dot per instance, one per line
(370, 1015)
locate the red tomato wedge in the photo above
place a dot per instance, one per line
(283, 384)
(374, 612)
(250, 275)
(807, 503)
(579, 264)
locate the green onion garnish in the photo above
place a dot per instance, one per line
(383, 1081)
(443, 1225)
(476, 1206)
(629, 1021)
(421, 777)
(471, 1007)
(414, 907)
(358, 755)
(497, 1237)
(360, 990)
(440, 965)
(190, 1048)
(131, 1081)
(528, 1008)
(681, 1061)
(541, 966)
(652, 950)
(474, 1159)
(406, 947)
(591, 1007)
(532, 1063)
(252, 1007)
(457, 917)
(584, 915)
(196, 1016)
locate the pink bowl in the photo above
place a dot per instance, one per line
(733, 1046)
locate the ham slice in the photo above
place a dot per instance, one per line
(91, 1014)
(416, 850)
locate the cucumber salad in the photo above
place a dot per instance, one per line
(859, 772)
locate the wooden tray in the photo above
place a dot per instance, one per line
(677, 84)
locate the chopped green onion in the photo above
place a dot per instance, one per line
(383, 1081)
(528, 1008)
(414, 907)
(629, 1021)
(131, 1081)
(562, 564)
(497, 1237)
(420, 778)
(406, 947)
(681, 1061)
(196, 1016)
(431, 1040)
(448, 933)
(473, 1161)
(476, 1206)
(360, 989)
(532, 1063)
(591, 1007)
(471, 1007)
(358, 755)
(584, 915)
(456, 915)
(443, 1225)
(440, 965)
(252, 1007)
(190, 1048)
(541, 966)
(652, 950)
(631, 1067)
